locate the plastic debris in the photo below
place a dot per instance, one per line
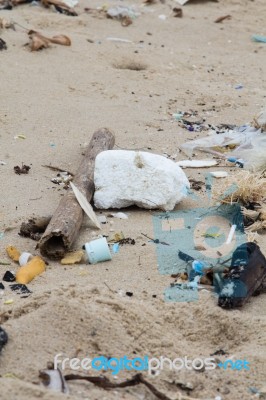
(8, 302)
(120, 12)
(114, 39)
(20, 289)
(9, 276)
(115, 248)
(20, 137)
(102, 219)
(53, 379)
(3, 338)
(13, 253)
(260, 121)
(219, 174)
(246, 276)
(196, 163)
(120, 215)
(259, 38)
(98, 251)
(73, 257)
(3, 45)
(28, 272)
(124, 178)
(24, 258)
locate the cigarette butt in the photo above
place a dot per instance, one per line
(28, 272)
(13, 253)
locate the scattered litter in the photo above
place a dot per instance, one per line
(13, 253)
(127, 241)
(114, 39)
(117, 237)
(237, 87)
(245, 278)
(85, 205)
(120, 215)
(8, 302)
(102, 219)
(63, 178)
(28, 272)
(2, 163)
(20, 137)
(129, 294)
(259, 38)
(53, 379)
(34, 228)
(196, 185)
(124, 178)
(98, 251)
(9, 276)
(177, 12)
(162, 17)
(3, 45)
(219, 174)
(24, 258)
(61, 6)
(20, 289)
(5, 24)
(123, 13)
(196, 163)
(2, 235)
(246, 143)
(39, 42)
(259, 121)
(22, 170)
(3, 338)
(157, 241)
(115, 248)
(221, 19)
(73, 257)
(231, 234)
(4, 262)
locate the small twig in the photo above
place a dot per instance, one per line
(57, 169)
(111, 290)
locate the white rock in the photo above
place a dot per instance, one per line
(124, 178)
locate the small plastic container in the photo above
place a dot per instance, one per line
(98, 251)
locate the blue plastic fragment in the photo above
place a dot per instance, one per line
(259, 38)
(115, 248)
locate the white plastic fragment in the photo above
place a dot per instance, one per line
(182, 2)
(124, 178)
(114, 39)
(120, 215)
(24, 258)
(196, 163)
(219, 174)
(231, 234)
(2, 163)
(71, 3)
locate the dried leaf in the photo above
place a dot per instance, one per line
(85, 205)
(126, 21)
(60, 7)
(221, 19)
(38, 42)
(61, 39)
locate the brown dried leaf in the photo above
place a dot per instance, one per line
(221, 19)
(126, 21)
(60, 6)
(38, 41)
(61, 39)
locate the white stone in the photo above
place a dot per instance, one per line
(124, 178)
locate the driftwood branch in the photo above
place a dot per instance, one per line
(67, 219)
(105, 383)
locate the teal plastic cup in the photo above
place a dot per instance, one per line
(98, 251)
